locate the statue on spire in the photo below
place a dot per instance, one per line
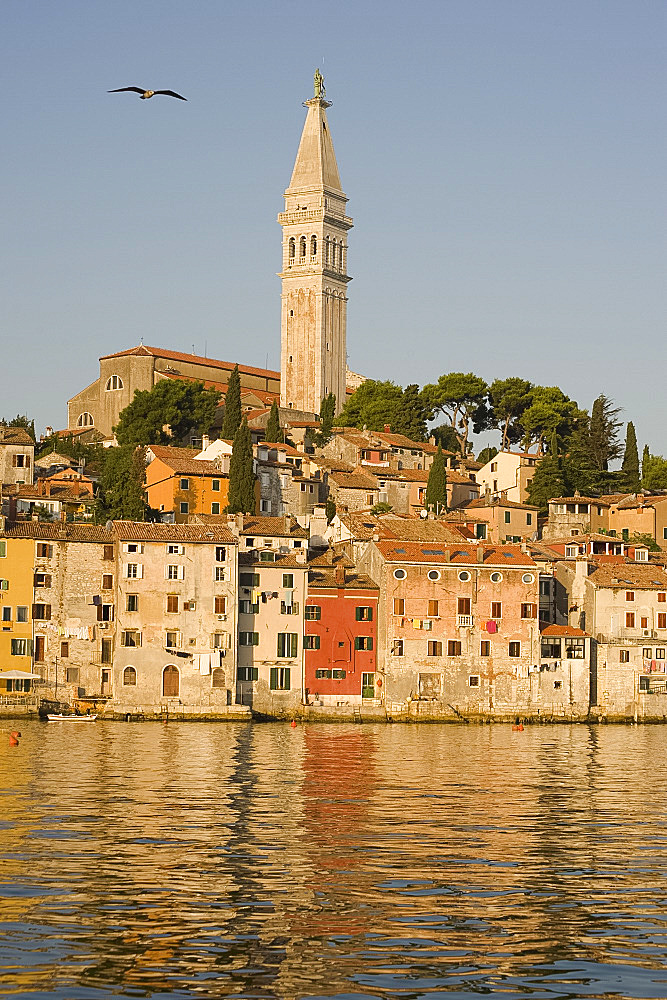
(318, 83)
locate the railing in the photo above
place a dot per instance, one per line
(464, 621)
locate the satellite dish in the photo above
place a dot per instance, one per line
(423, 514)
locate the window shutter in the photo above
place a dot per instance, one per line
(274, 678)
(140, 571)
(255, 638)
(47, 612)
(294, 644)
(286, 675)
(181, 572)
(47, 580)
(4, 584)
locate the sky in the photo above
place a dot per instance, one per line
(504, 162)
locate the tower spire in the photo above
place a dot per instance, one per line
(314, 274)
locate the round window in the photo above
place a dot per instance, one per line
(528, 578)
(400, 574)
(496, 577)
(433, 574)
(464, 576)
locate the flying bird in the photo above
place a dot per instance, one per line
(145, 94)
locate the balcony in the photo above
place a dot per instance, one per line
(464, 621)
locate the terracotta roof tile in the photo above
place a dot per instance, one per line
(630, 575)
(148, 531)
(55, 531)
(556, 630)
(159, 352)
(492, 555)
(183, 460)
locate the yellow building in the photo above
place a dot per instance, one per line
(16, 590)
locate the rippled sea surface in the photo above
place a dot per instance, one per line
(197, 860)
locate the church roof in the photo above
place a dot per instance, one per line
(315, 165)
(159, 352)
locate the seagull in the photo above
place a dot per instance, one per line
(145, 94)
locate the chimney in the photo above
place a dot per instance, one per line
(40, 487)
(387, 428)
(239, 522)
(301, 555)
(431, 440)
(287, 523)
(340, 575)
(480, 554)
(205, 441)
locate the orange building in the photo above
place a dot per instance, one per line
(178, 483)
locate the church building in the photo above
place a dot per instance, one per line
(313, 360)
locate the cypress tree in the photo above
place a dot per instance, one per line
(630, 467)
(548, 482)
(273, 432)
(232, 418)
(646, 466)
(436, 487)
(241, 499)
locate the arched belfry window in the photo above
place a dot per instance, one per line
(85, 420)
(114, 382)
(334, 253)
(302, 246)
(292, 248)
(313, 246)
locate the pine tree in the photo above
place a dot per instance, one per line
(436, 487)
(273, 433)
(630, 467)
(232, 418)
(241, 499)
(604, 445)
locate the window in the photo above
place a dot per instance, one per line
(463, 606)
(248, 608)
(41, 612)
(399, 606)
(397, 647)
(529, 578)
(288, 581)
(173, 639)
(6, 614)
(485, 648)
(280, 679)
(249, 579)
(21, 613)
(21, 647)
(323, 674)
(514, 649)
(108, 552)
(662, 598)
(219, 574)
(174, 572)
(249, 543)
(660, 653)
(624, 655)
(453, 647)
(267, 556)
(107, 581)
(247, 673)
(400, 574)
(219, 640)
(215, 508)
(289, 607)
(130, 637)
(464, 576)
(473, 681)
(215, 485)
(496, 577)
(184, 507)
(662, 620)
(647, 653)
(368, 685)
(311, 642)
(133, 547)
(220, 606)
(433, 609)
(132, 602)
(496, 609)
(629, 619)
(134, 571)
(508, 516)
(248, 638)
(3, 549)
(21, 461)
(575, 649)
(550, 648)
(44, 551)
(64, 650)
(571, 551)
(339, 675)
(172, 604)
(129, 677)
(220, 553)
(434, 575)
(558, 685)
(114, 382)
(643, 622)
(85, 419)
(434, 648)
(41, 580)
(72, 675)
(288, 643)
(529, 610)
(363, 642)
(363, 614)
(105, 653)
(629, 595)
(313, 613)
(529, 519)
(184, 484)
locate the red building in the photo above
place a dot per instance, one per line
(340, 625)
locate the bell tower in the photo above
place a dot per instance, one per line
(313, 360)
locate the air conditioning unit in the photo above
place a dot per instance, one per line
(103, 624)
(428, 625)
(190, 605)
(646, 632)
(222, 618)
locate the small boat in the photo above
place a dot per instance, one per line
(71, 718)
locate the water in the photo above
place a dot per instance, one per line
(197, 860)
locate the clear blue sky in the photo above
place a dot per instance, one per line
(504, 161)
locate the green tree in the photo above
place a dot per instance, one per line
(330, 509)
(550, 410)
(604, 446)
(381, 508)
(167, 413)
(509, 398)
(436, 488)
(273, 433)
(241, 498)
(372, 405)
(232, 419)
(630, 467)
(120, 495)
(462, 398)
(548, 482)
(21, 420)
(486, 454)
(327, 415)
(654, 471)
(410, 419)
(444, 435)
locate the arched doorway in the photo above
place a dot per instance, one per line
(170, 681)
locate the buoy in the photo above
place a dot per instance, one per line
(293, 723)
(518, 729)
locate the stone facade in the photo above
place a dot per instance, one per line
(17, 456)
